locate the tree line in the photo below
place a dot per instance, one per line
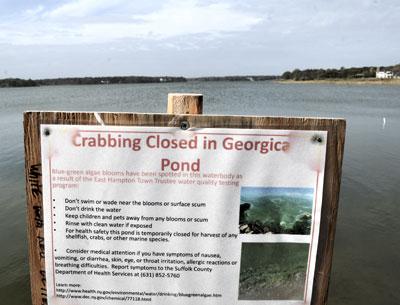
(342, 73)
(17, 82)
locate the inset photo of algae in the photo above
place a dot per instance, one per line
(273, 271)
(276, 210)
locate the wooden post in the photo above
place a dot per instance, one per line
(185, 103)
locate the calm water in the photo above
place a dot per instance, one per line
(366, 267)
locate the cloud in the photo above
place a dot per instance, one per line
(103, 21)
(33, 12)
(81, 8)
(180, 19)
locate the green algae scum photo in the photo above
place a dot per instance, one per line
(273, 271)
(277, 210)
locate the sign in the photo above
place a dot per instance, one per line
(161, 215)
(169, 216)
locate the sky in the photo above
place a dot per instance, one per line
(48, 39)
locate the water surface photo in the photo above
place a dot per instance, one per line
(275, 210)
(273, 271)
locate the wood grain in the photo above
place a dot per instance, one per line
(33, 171)
(335, 145)
(185, 103)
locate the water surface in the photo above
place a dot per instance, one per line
(366, 266)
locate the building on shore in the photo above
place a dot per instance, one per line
(384, 74)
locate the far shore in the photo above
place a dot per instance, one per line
(16, 82)
(353, 81)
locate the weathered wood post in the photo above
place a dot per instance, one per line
(185, 103)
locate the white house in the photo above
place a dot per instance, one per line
(384, 74)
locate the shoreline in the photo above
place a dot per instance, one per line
(155, 80)
(111, 80)
(365, 81)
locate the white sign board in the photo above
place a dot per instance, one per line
(162, 215)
